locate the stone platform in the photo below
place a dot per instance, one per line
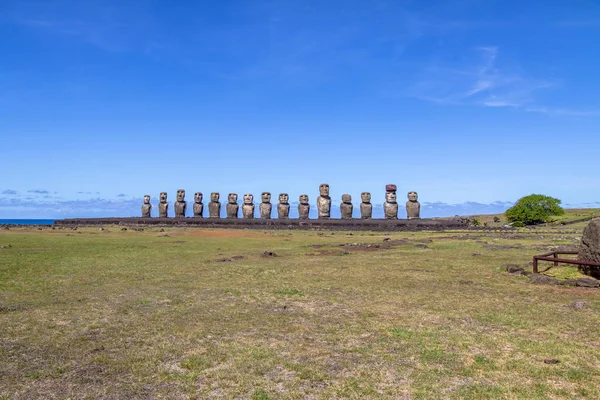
(306, 224)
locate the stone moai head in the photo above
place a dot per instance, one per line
(303, 199)
(390, 197)
(232, 198)
(324, 189)
(265, 197)
(412, 196)
(163, 197)
(147, 199)
(214, 196)
(346, 198)
(180, 195)
(248, 198)
(198, 197)
(284, 198)
(365, 197)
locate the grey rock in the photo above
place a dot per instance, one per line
(413, 207)
(587, 282)
(198, 206)
(578, 305)
(366, 208)
(303, 207)
(324, 202)
(232, 207)
(283, 208)
(265, 206)
(163, 206)
(513, 268)
(146, 207)
(544, 279)
(589, 248)
(214, 207)
(346, 207)
(180, 204)
(248, 206)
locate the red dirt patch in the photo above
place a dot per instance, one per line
(225, 234)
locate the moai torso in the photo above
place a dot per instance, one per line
(146, 207)
(283, 208)
(346, 206)
(413, 207)
(248, 207)
(180, 204)
(214, 207)
(198, 206)
(232, 206)
(265, 205)
(390, 207)
(366, 208)
(303, 207)
(163, 206)
(324, 202)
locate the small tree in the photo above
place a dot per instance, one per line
(534, 209)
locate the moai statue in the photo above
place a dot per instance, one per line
(303, 207)
(390, 207)
(283, 208)
(232, 206)
(346, 206)
(180, 204)
(198, 206)
(265, 205)
(366, 208)
(248, 206)
(146, 207)
(413, 208)
(163, 206)
(214, 207)
(324, 201)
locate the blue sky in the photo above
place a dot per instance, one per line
(466, 102)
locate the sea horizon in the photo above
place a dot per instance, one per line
(27, 221)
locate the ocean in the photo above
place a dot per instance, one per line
(26, 221)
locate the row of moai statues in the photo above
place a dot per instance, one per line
(390, 207)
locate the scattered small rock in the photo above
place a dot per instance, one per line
(476, 254)
(387, 239)
(587, 282)
(420, 246)
(237, 257)
(551, 361)
(269, 254)
(123, 229)
(544, 279)
(6, 247)
(6, 228)
(161, 230)
(578, 305)
(513, 269)
(465, 282)
(101, 229)
(225, 260)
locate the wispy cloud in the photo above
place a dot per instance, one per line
(482, 81)
(9, 192)
(121, 195)
(38, 191)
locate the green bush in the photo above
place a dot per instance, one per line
(534, 209)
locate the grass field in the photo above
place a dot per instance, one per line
(189, 313)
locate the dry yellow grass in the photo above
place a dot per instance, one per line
(111, 314)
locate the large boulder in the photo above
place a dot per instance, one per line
(589, 249)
